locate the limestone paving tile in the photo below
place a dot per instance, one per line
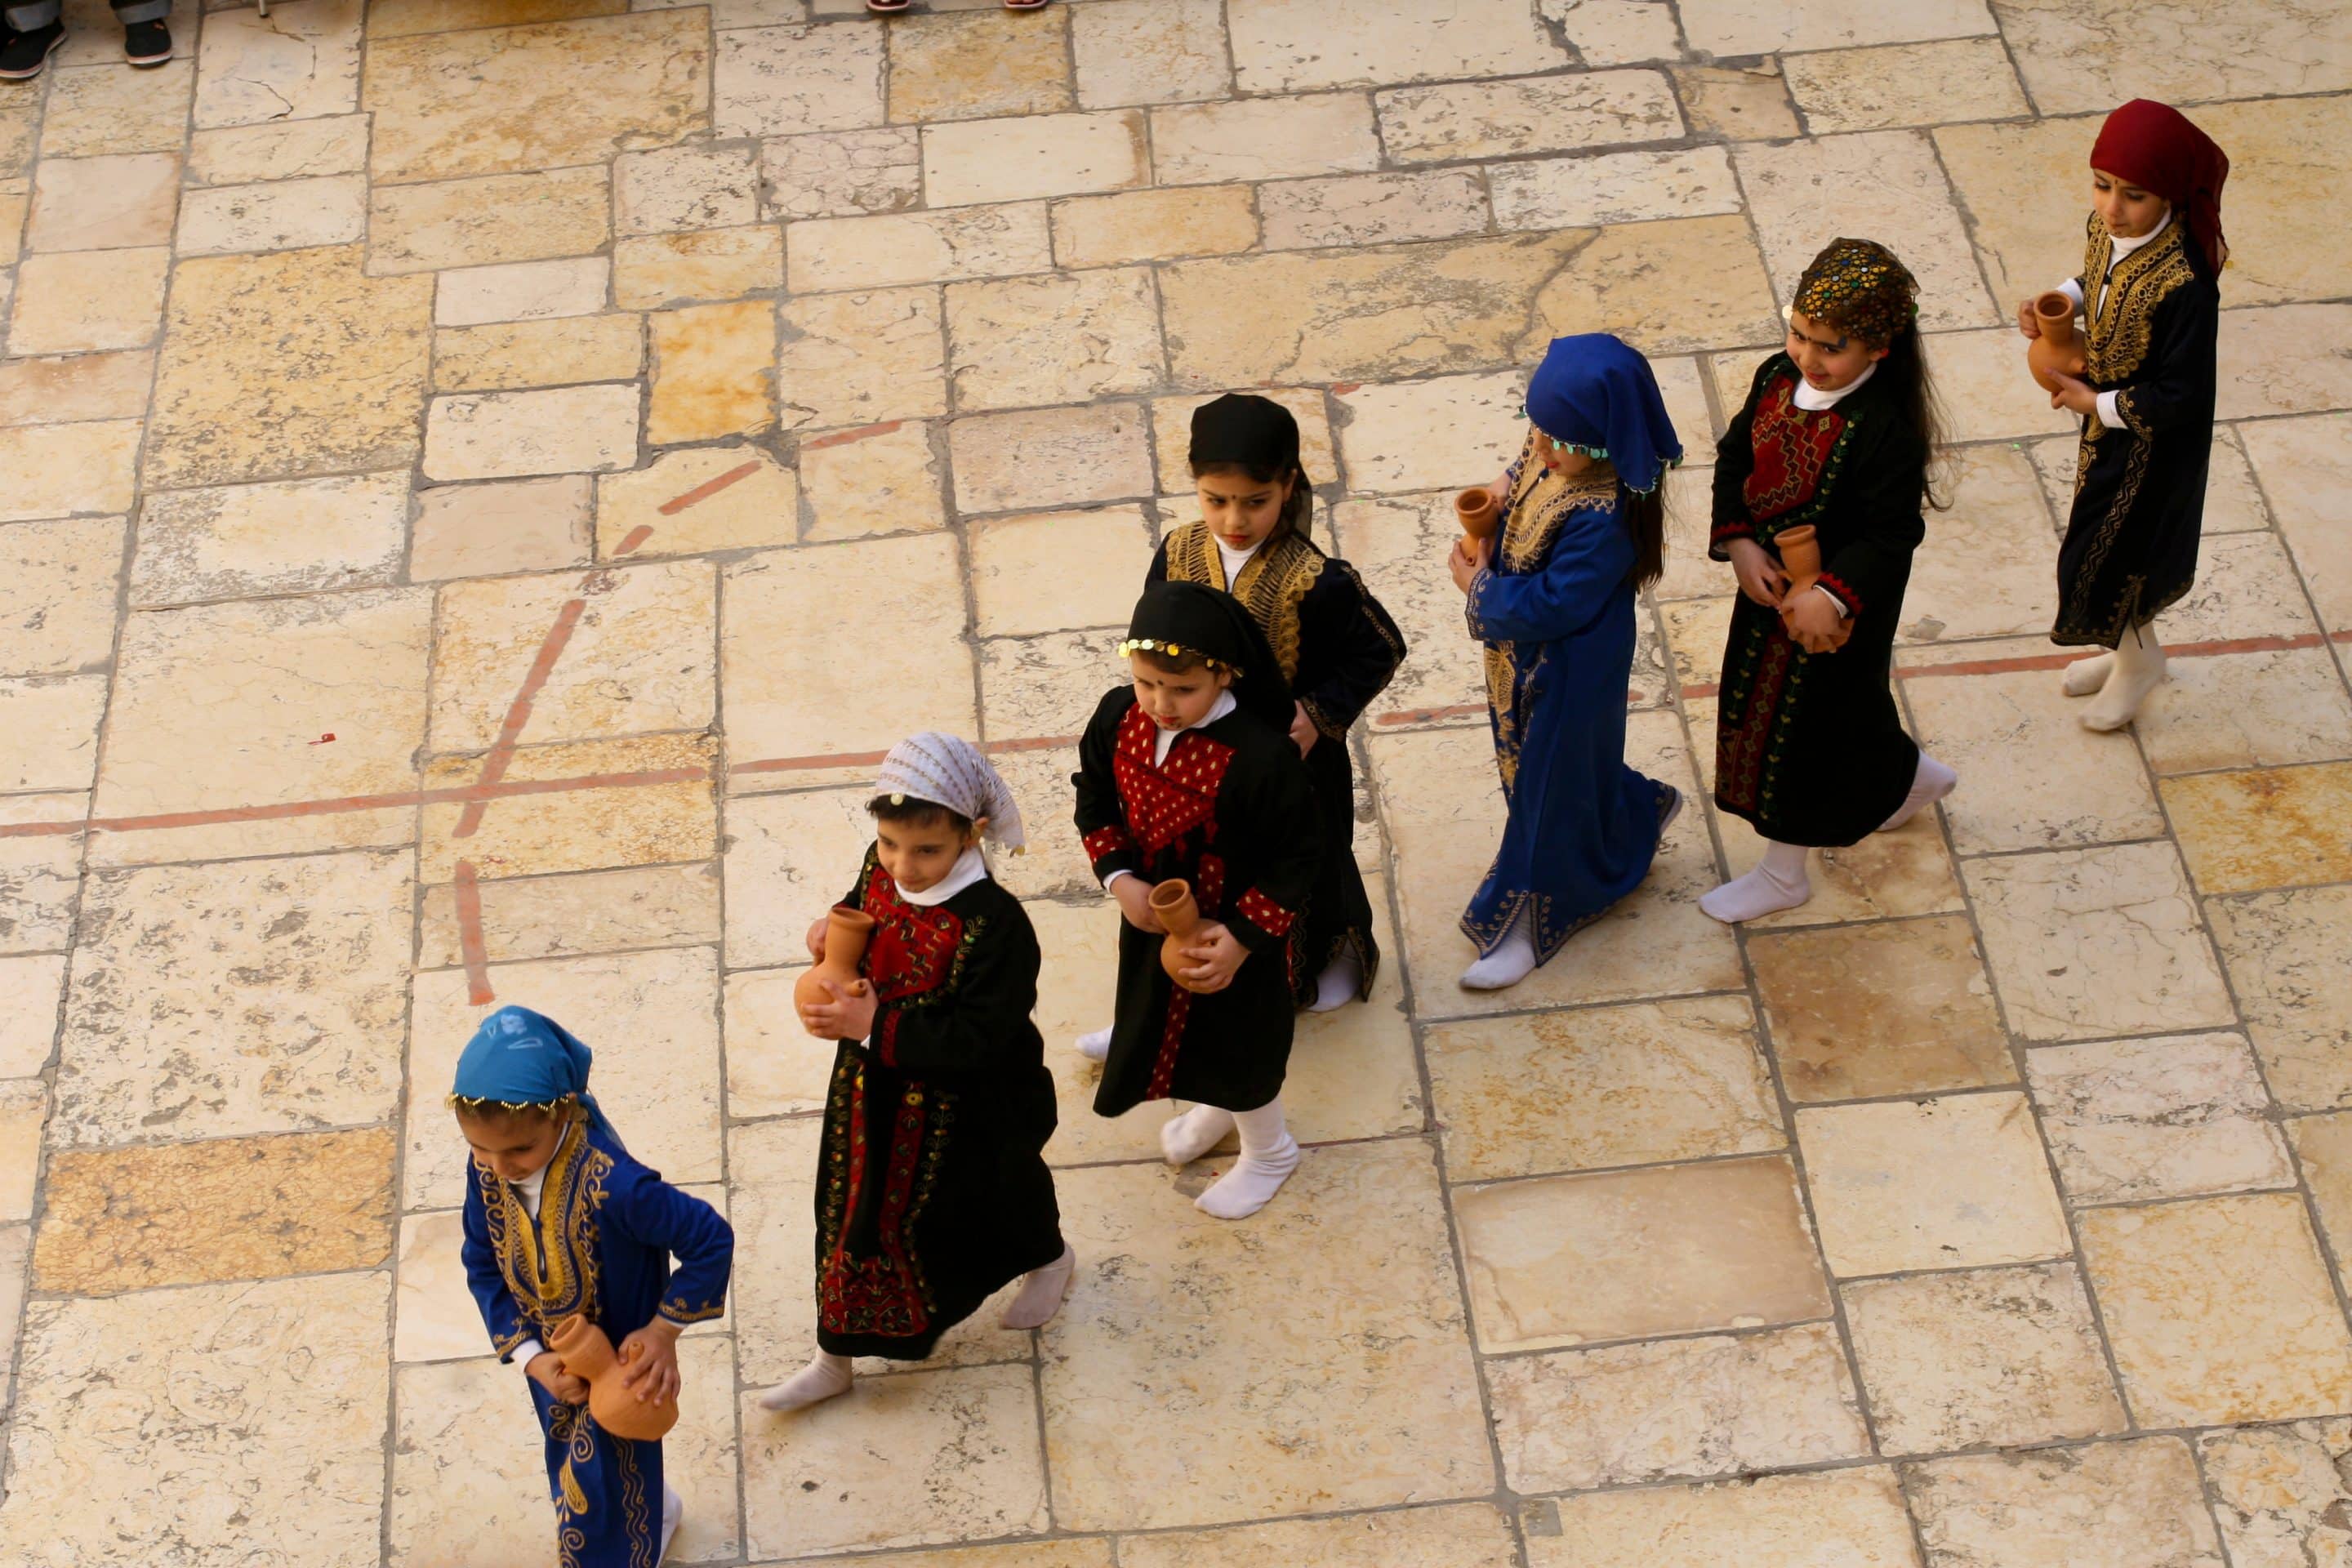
(1904, 85)
(774, 1067)
(1286, 46)
(97, 109)
(116, 1220)
(1990, 397)
(838, 174)
(1395, 543)
(755, 503)
(1760, 27)
(1660, 1249)
(278, 150)
(652, 1019)
(30, 988)
(2304, 468)
(404, 18)
(1736, 102)
(580, 912)
(698, 264)
(1605, 1086)
(2109, 1504)
(226, 220)
(84, 301)
(2284, 359)
(1149, 51)
(492, 219)
(1616, 32)
(713, 372)
(253, 1372)
(1444, 433)
(16, 1241)
(2245, 588)
(1613, 187)
(2086, 61)
(993, 161)
(1047, 684)
(19, 129)
(2266, 827)
(1050, 458)
(1458, 1535)
(251, 70)
(1945, 1182)
(789, 858)
(290, 535)
(979, 65)
(2083, 788)
(1894, 1007)
(510, 435)
(2219, 1310)
(1154, 1326)
(522, 292)
(1263, 139)
(1716, 1404)
(1077, 1552)
(652, 806)
(861, 358)
(1055, 867)
(884, 478)
(1538, 114)
(773, 81)
(512, 356)
(39, 878)
(890, 249)
(23, 1108)
(2278, 1493)
(1060, 338)
(1995, 557)
(694, 186)
(2324, 1146)
(1853, 1518)
(2006, 1356)
(2150, 1118)
(1054, 571)
(1373, 209)
(57, 584)
(104, 204)
(234, 998)
(52, 725)
(75, 388)
(55, 470)
(2283, 952)
(507, 525)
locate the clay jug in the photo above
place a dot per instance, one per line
(2060, 346)
(846, 931)
(588, 1355)
(1173, 902)
(1475, 509)
(1801, 558)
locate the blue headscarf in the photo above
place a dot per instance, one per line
(521, 1058)
(1593, 394)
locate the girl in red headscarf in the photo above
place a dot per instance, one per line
(2151, 309)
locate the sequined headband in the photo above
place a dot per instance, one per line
(1859, 285)
(478, 1102)
(1174, 651)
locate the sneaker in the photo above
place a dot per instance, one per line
(23, 54)
(146, 44)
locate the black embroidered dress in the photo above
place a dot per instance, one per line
(1809, 747)
(932, 1191)
(2139, 492)
(1338, 649)
(1231, 811)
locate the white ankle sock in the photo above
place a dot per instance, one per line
(821, 1380)
(1778, 882)
(1930, 782)
(1184, 1139)
(1269, 1153)
(673, 1514)
(2085, 677)
(1340, 980)
(2139, 670)
(1042, 1291)
(1095, 1045)
(1513, 960)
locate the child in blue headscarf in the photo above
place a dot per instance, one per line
(1552, 597)
(559, 1219)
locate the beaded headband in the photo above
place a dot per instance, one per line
(1859, 285)
(472, 1102)
(1173, 650)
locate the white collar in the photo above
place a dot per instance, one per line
(2124, 247)
(1235, 559)
(1813, 400)
(1161, 742)
(531, 1187)
(971, 866)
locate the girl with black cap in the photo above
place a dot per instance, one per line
(1336, 647)
(1188, 773)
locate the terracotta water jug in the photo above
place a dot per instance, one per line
(847, 933)
(1801, 558)
(1180, 915)
(588, 1355)
(2060, 346)
(1475, 509)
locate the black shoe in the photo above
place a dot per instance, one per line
(24, 54)
(146, 44)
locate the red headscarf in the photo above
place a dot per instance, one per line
(2156, 146)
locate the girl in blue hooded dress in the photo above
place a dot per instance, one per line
(559, 1219)
(1552, 596)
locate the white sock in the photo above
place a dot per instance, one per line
(1184, 1139)
(1269, 1153)
(1341, 978)
(1778, 882)
(1042, 1291)
(2085, 675)
(673, 1514)
(1930, 782)
(2139, 669)
(1513, 960)
(821, 1380)
(1095, 1045)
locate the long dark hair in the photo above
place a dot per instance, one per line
(1294, 507)
(1645, 518)
(1917, 405)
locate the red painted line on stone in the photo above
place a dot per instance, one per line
(2060, 661)
(633, 537)
(704, 492)
(1424, 715)
(803, 764)
(1033, 743)
(468, 886)
(503, 749)
(842, 437)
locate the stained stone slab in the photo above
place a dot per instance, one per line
(54, 471)
(713, 372)
(1047, 684)
(1853, 1518)
(39, 878)
(2085, 62)
(2084, 787)
(1930, 1184)
(583, 912)
(862, 358)
(2107, 1504)
(1262, 138)
(278, 150)
(1063, 458)
(774, 1067)
(757, 503)
(882, 479)
(1154, 51)
(85, 300)
(2278, 1493)
(52, 723)
(503, 434)
(700, 264)
(650, 804)
(483, 222)
(894, 248)
(95, 110)
(1377, 1403)
(1052, 571)
(769, 81)
(1908, 84)
(789, 858)
(16, 1241)
(1062, 338)
(283, 1367)
(231, 1208)
(1899, 1007)
(509, 525)
(254, 69)
(279, 216)
(838, 174)
(2287, 359)
(1287, 46)
(522, 292)
(2158, 1119)
(303, 535)
(2270, 827)
(1613, 187)
(23, 1107)
(2006, 1356)
(688, 187)
(978, 65)
(104, 204)
(2324, 1144)
(1440, 434)
(75, 388)
(2304, 468)
(57, 584)
(511, 356)
(1712, 1405)
(1540, 114)
(2220, 1310)
(1460, 1535)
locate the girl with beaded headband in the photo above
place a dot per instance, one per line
(1188, 773)
(1835, 440)
(560, 1220)
(1552, 596)
(932, 1191)
(2151, 304)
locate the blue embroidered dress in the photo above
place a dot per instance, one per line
(606, 1231)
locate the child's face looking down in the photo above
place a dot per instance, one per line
(1567, 465)
(1827, 356)
(917, 854)
(2126, 210)
(1240, 510)
(515, 1145)
(1175, 701)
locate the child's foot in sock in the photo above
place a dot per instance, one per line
(822, 1379)
(1184, 1139)
(1095, 1045)
(673, 1515)
(1340, 980)
(1513, 960)
(2085, 677)
(1761, 892)
(1255, 1177)
(2117, 703)
(1042, 1291)
(1930, 783)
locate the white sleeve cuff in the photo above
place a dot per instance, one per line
(2072, 291)
(525, 1351)
(1845, 613)
(2108, 416)
(1114, 876)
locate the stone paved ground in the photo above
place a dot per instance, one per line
(756, 386)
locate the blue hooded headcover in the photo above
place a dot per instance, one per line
(521, 1058)
(1597, 396)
